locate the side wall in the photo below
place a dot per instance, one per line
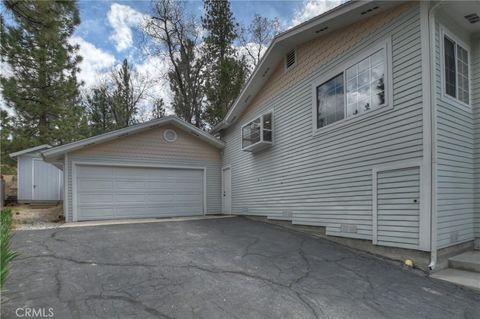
(326, 179)
(476, 112)
(454, 156)
(150, 148)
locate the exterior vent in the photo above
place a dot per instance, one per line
(321, 30)
(287, 213)
(348, 228)
(290, 59)
(369, 10)
(472, 18)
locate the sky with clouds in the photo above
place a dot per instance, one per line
(110, 32)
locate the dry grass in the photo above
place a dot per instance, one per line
(33, 214)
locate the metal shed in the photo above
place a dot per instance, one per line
(37, 180)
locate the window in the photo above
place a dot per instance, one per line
(357, 89)
(258, 133)
(456, 69)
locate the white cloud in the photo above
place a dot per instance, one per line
(312, 8)
(95, 63)
(123, 19)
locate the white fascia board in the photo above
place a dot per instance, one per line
(30, 150)
(59, 151)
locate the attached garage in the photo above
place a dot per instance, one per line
(162, 168)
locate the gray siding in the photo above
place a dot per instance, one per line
(326, 180)
(214, 204)
(454, 153)
(398, 207)
(48, 174)
(476, 110)
(24, 178)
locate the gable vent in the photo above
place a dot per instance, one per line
(472, 18)
(290, 59)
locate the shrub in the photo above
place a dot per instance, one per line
(6, 253)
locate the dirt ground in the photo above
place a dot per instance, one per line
(24, 214)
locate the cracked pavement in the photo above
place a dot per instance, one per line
(216, 268)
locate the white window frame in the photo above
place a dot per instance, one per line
(386, 45)
(444, 32)
(251, 147)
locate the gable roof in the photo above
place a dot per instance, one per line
(334, 19)
(30, 150)
(59, 151)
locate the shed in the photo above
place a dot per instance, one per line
(37, 180)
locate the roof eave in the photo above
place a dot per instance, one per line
(247, 95)
(58, 152)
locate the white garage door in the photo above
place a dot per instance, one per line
(105, 192)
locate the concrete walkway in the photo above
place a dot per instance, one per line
(216, 268)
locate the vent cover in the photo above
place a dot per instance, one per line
(290, 59)
(472, 18)
(170, 135)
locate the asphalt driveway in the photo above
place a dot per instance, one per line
(218, 268)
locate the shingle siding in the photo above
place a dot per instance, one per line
(326, 179)
(149, 148)
(455, 157)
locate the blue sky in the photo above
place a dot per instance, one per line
(110, 31)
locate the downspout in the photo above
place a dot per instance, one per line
(433, 99)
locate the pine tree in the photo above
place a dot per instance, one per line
(129, 91)
(226, 72)
(99, 109)
(158, 109)
(43, 89)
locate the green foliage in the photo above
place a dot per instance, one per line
(42, 87)
(126, 95)
(226, 73)
(98, 104)
(158, 109)
(6, 252)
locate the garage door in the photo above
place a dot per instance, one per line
(105, 192)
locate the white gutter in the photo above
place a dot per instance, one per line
(433, 94)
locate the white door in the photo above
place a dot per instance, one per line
(108, 192)
(227, 191)
(47, 181)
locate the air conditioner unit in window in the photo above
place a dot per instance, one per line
(258, 134)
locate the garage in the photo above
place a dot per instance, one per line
(109, 192)
(158, 169)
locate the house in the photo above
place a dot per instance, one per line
(37, 181)
(364, 120)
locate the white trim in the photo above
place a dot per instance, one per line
(423, 216)
(65, 188)
(52, 153)
(30, 150)
(229, 167)
(252, 146)
(445, 32)
(140, 165)
(33, 177)
(427, 126)
(341, 67)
